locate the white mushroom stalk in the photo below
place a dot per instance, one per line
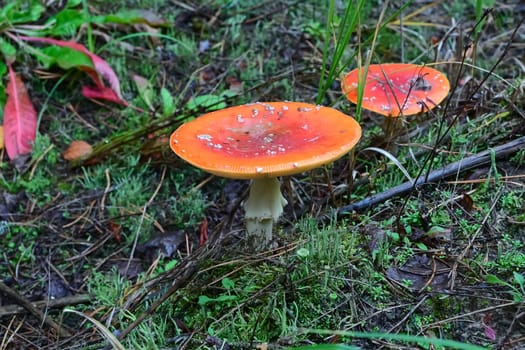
(263, 208)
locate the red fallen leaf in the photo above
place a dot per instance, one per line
(115, 230)
(490, 332)
(102, 68)
(77, 150)
(103, 93)
(19, 118)
(203, 232)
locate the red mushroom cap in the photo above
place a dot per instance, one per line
(265, 139)
(396, 89)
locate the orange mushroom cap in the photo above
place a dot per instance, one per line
(265, 139)
(396, 89)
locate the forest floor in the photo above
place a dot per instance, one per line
(128, 246)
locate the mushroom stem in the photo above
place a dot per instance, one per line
(263, 207)
(392, 127)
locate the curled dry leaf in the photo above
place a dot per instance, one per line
(421, 272)
(165, 244)
(1, 137)
(77, 150)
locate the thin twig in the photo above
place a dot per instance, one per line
(26, 304)
(505, 339)
(9, 310)
(139, 226)
(457, 317)
(108, 187)
(455, 168)
(403, 320)
(453, 271)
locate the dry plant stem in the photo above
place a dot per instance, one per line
(9, 310)
(455, 168)
(180, 276)
(403, 320)
(144, 209)
(350, 176)
(6, 339)
(457, 317)
(249, 261)
(26, 304)
(106, 191)
(188, 269)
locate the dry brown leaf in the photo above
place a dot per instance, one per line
(1, 137)
(421, 272)
(77, 150)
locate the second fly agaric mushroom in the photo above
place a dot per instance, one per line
(261, 141)
(398, 89)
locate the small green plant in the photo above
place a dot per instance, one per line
(108, 288)
(187, 210)
(37, 182)
(519, 157)
(223, 299)
(510, 255)
(512, 201)
(516, 288)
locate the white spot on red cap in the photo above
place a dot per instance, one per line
(205, 137)
(304, 109)
(313, 139)
(269, 108)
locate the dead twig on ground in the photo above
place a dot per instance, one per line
(455, 168)
(9, 310)
(26, 304)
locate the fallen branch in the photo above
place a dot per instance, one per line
(26, 304)
(10, 310)
(462, 165)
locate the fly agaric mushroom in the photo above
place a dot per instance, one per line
(397, 89)
(261, 141)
